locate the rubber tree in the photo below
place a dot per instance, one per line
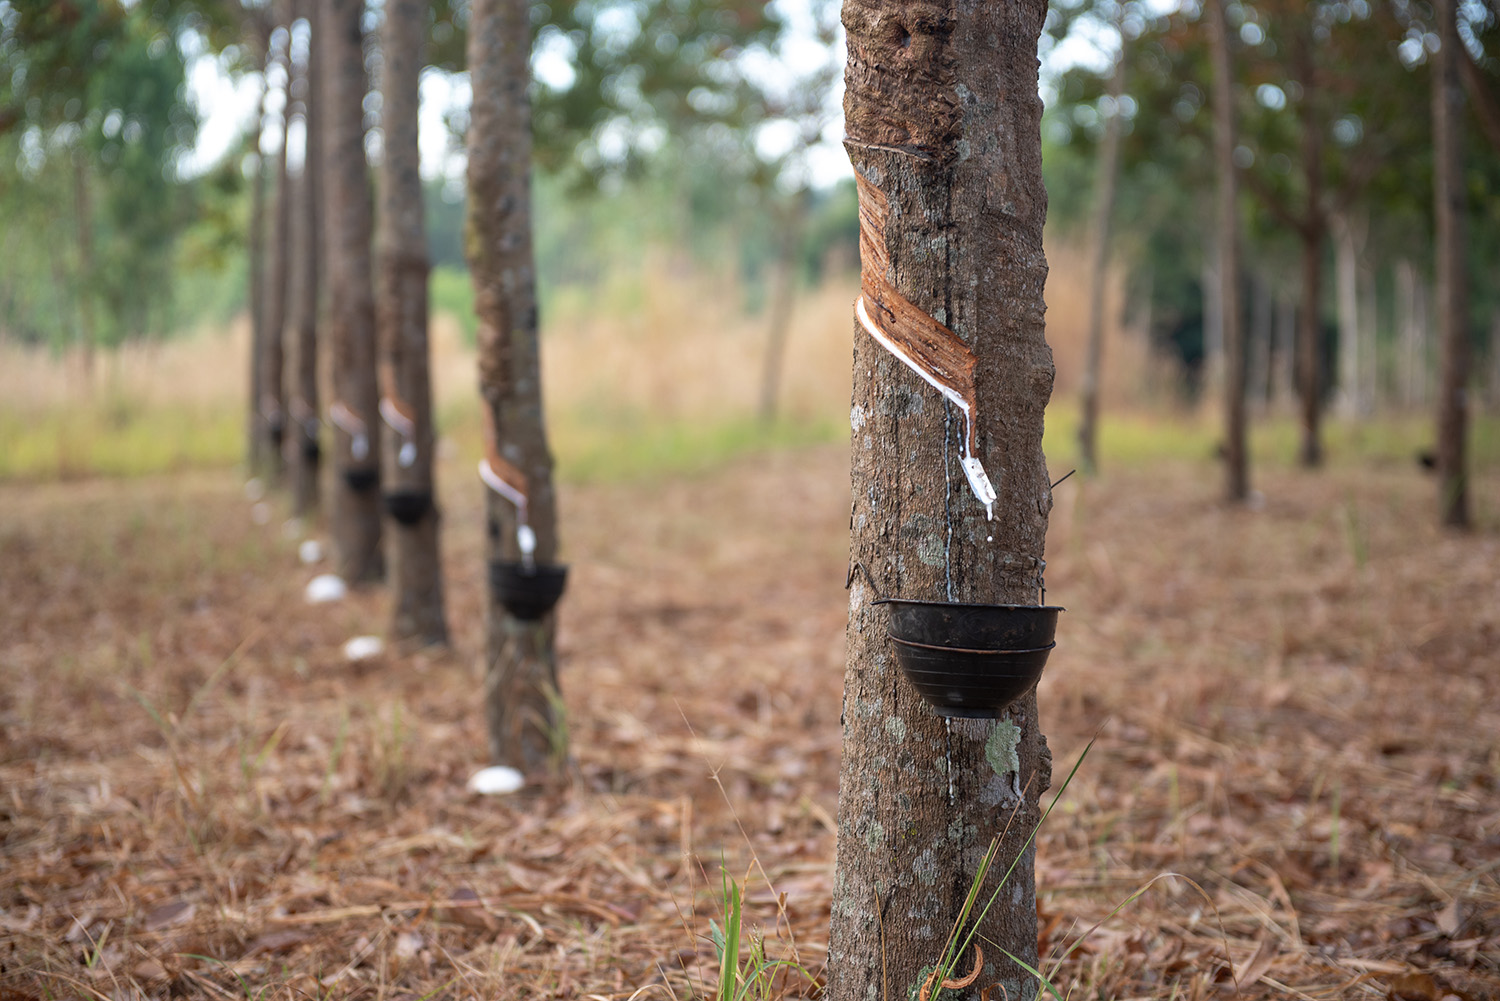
(401, 315)
(1106, 174)
(943, 128)
(278, 268)
(355, 515)
(1452, 290)
(521, 689)
(257, 37)
(1227, 233)
(303, 453)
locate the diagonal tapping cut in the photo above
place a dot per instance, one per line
(917, 340)
(509, 482)
(354, 425)
(399, 416)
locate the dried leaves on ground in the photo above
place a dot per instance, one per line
(1298, 710)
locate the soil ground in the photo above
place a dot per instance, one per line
(1297, 709)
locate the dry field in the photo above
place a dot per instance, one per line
(1298, 709)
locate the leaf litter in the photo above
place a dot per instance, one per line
(201, 797)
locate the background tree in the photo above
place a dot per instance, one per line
(521, 686)
(401, 313)
(1227, 220)
(351, 304)
(942, 115)
(304, 449)
(258, 40)
(1106, 175)
(1452, 293)
(278, 263)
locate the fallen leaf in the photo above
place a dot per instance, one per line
(1413, 987)
(1449, 920)
(277, 941)
(167, 915)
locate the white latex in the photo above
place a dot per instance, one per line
(497, 780)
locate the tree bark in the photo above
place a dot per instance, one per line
(943, 120)
(351, 314)
(1258, 371)
(257, 249)
(83, 217)
(1236, 459)
(1309, 346)
(303, 453)
(521, 687)
(278, 269)
(1107, 169)
(1452, 289)
(401, 314)
(1346, 242)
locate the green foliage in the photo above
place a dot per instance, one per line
(1366, 96)
(93, 114)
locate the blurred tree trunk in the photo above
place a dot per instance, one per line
(401, 313)
(351, 297)
(783, 295)
(1346, 246)
(521, 689)
(1236, 459)
(83, 217)
(260, 47)
(1452, 288)
(1258, 373)
(943, 123)
(304, 453)
(1107, 170)
(1312, 228)
(1284, 366)
(278, 270)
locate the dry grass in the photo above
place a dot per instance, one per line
(663, 371)
(202, 799)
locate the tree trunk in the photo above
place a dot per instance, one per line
(1107, 169)
(1231, 318)
(1309, 347)
(304, 454)
(1369, 343)
(1406, 333)
(1452, 290)
(278, 270)
(1258, 374)
(521, 690)
(1283, 368)
(257, 264)
(83, 216)
(351, 303)
(943, 119)
(1346, 242)
(783, 294)
(401, 312)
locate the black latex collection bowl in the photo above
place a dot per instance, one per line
(527, 594)
(971, 660)
(312, 452)
(360, 480)
(408, 506)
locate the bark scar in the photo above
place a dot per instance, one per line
(399, 416)
(917, 340)
(507, 481)
(354, 425)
